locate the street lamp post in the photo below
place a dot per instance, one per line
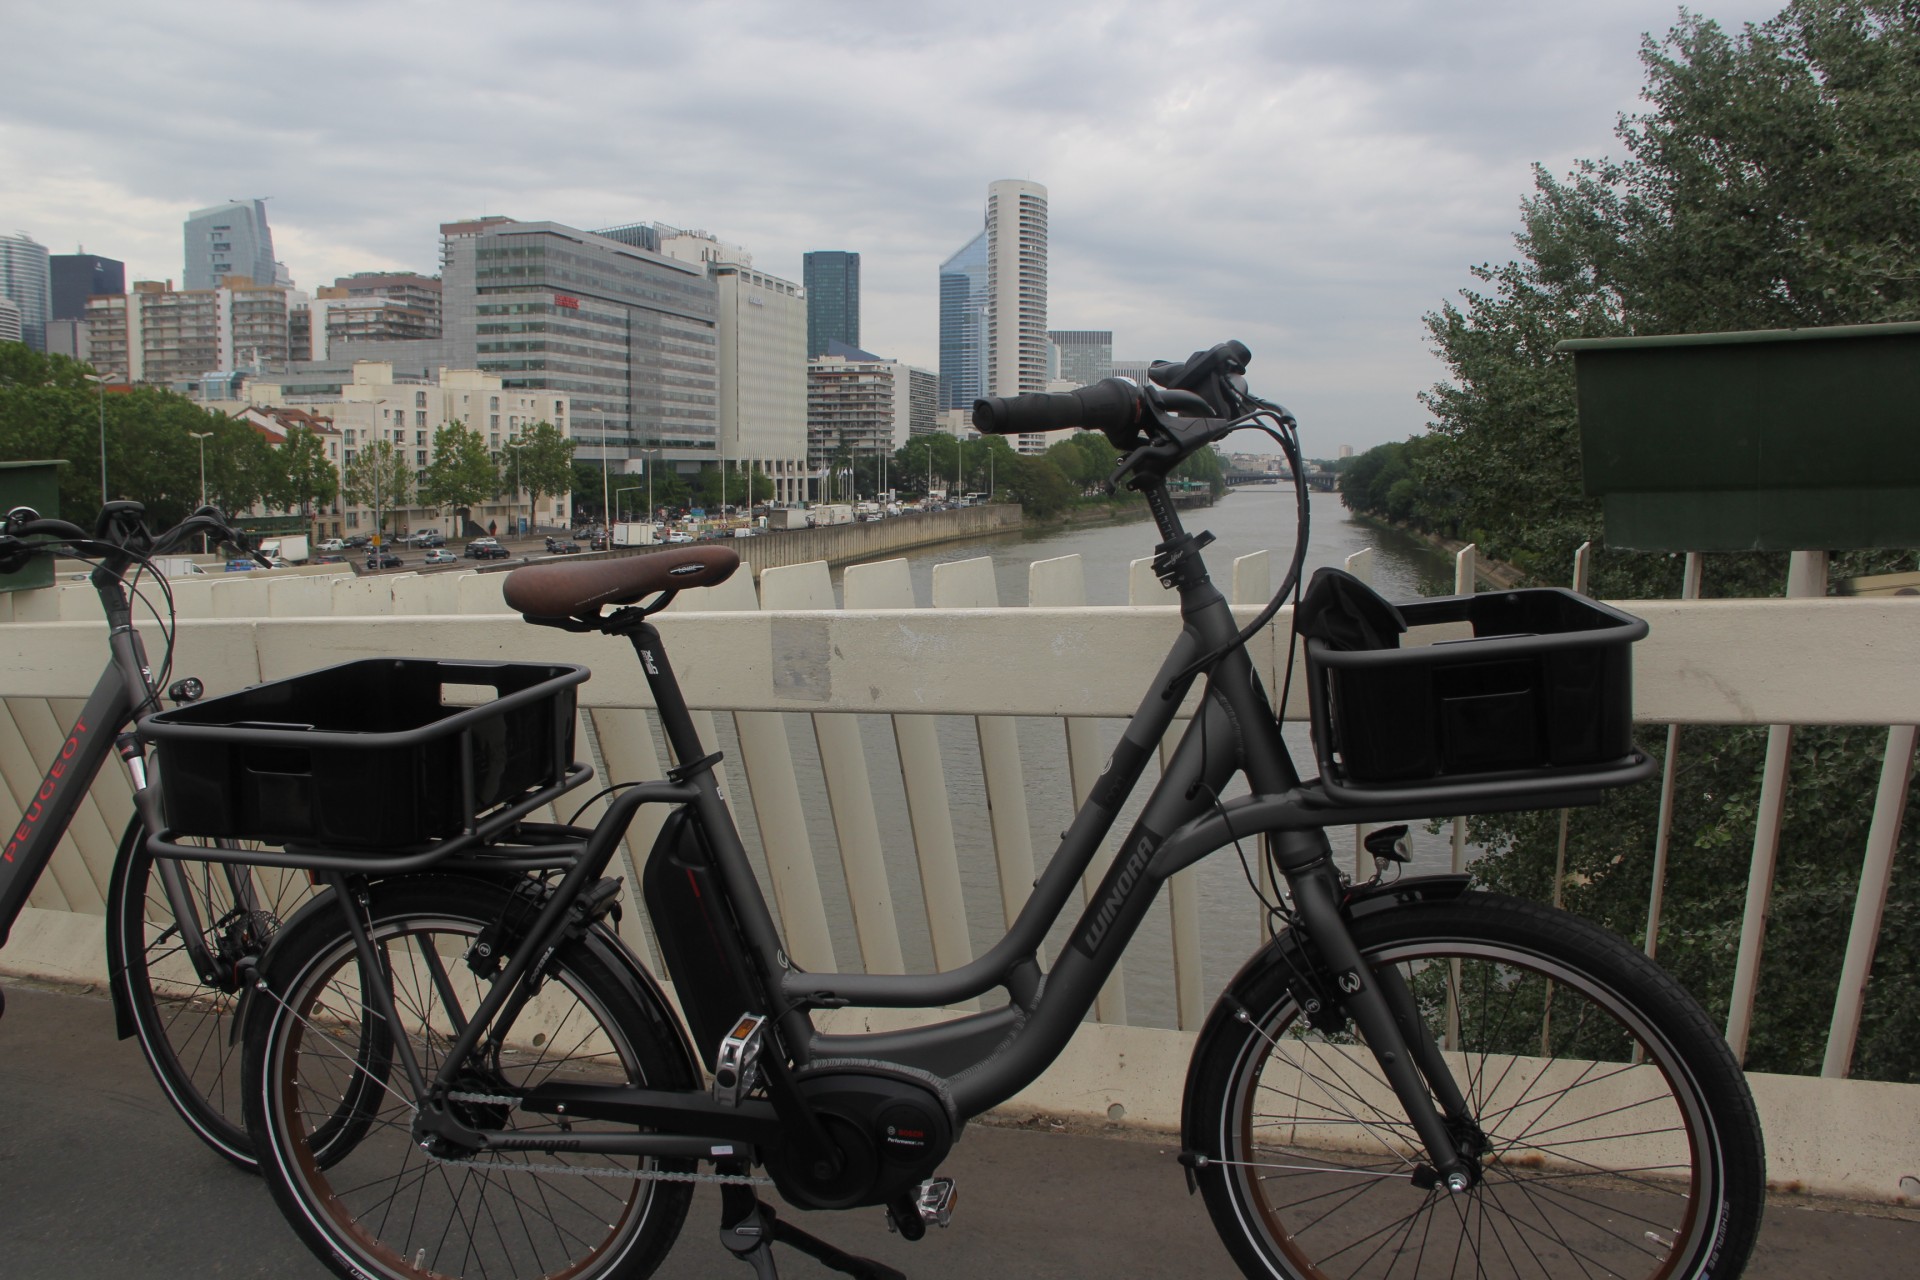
(516, 446)
(200, 438)
(100, 381)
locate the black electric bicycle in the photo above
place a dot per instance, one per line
(1411, 1078)
(180, 932)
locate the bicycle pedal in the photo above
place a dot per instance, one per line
(736, 1069)
(934, 1199)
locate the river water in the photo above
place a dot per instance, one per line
(1246, 521)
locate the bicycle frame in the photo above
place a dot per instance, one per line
(95, 732)
(983, 1058)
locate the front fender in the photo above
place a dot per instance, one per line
(1282, 957)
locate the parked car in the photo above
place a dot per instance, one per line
(426, 538)
(243, 564)
(359, 539)
(441, 555)
(486, 549)
(587, 531)
(562, 547)
(679, 536)
(383, 560)
(332, 544)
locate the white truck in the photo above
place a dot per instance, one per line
(833, 513)
(177, 566)
(789, 518)
(291, 548)
(634, 533)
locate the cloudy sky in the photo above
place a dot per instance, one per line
(1308, 177)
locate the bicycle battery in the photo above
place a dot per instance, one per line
(697, 935)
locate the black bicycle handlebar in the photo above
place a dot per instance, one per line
(1107, 407)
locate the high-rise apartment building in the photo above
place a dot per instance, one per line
(860, 405)
(1016, 287)
(79, 276)
(1086, 355)
(230, 240)
(963, 325)
(399, 306)
(162, 335)
(832, 280)
(25, 281)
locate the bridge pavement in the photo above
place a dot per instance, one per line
(98, 1178)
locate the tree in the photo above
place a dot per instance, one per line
(1771, 183)
(544, 461)
(729, 485)
(310, 476)
(1085, 458)
(378, 477)
(463, 473)
(1038, 485)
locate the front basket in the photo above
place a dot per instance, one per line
(1534, 696)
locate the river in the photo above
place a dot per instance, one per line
(1246, 521)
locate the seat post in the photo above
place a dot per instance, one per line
(667, 698)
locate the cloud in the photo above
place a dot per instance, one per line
(1309, 178)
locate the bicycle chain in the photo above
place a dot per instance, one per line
(628, 1175)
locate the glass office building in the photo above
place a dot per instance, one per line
(963, 325)
(1086, 355)
(628, 334)
(25, 281)
(832, 281)
(229, 240)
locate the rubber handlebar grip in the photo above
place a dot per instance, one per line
(1112, 403)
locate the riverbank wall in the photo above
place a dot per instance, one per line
(1497, 574)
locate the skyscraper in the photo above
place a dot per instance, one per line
(963, 325)
(79, 276)
(1086, 355)
(1016, 287)
(230, 240)
(832, 281)
(24, 281)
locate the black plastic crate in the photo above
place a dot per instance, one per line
(368, 753)
(1542, 694)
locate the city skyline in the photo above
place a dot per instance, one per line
(1323, 184)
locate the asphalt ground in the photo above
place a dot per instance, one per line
(99, 1178)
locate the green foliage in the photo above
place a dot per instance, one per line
(1038, 485)
(729, 485)
(1085, 458)
(463, 472)
(50, 409)
(1204, 467)
(1771, 183)
(379, 479)
(304, 473)
(540, 462)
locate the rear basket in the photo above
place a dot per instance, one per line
(366, 754)
(1538, 700)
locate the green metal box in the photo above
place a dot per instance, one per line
(36, 485)
(1775, 440)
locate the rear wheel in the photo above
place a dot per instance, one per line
(389, 1207)
(1610, 1129)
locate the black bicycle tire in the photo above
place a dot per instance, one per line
(1730, 1219)
(217, 1121)
(317, 938)
(203, 1113)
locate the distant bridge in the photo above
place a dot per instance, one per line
(1321, 480)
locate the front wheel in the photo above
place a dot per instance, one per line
(186, 1024)
(1611, 1129)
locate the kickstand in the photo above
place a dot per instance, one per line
(749, 1227)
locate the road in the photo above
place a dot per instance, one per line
(99, 1178)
